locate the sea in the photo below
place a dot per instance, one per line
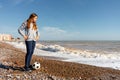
(102, 47)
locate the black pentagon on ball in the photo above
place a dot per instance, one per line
(33, 64)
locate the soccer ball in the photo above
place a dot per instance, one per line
(36, 65)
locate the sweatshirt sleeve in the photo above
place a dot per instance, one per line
(37, 33)
(22, 28)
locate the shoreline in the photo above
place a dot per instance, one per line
(72, 55)
(50, 69)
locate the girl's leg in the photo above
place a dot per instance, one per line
(29, 52)
(33, 46)
(32, 50)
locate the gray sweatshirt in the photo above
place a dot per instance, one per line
(32, 34)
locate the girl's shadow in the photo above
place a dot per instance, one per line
(11, 67)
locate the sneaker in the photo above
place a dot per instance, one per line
(31, 67)
(26, 69)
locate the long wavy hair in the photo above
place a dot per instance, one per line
(30, 20)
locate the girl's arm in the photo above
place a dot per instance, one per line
(37, 35)
(21, 29)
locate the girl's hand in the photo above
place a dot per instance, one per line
(25, 37)
(37, 38)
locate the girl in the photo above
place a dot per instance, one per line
(29, 31)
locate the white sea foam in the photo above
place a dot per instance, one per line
(78, 56)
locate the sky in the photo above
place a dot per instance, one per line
(64, 19)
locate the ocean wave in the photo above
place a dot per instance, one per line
(63, 50)
(81, 53)
(52, 48)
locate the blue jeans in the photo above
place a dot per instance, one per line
(30, 46)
